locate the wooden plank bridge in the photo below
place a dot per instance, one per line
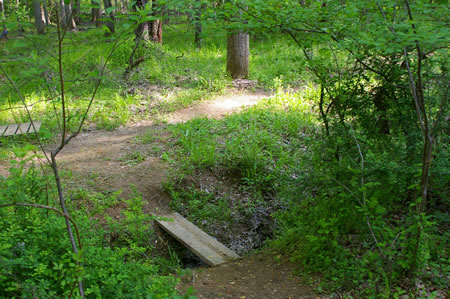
(203, 245)
(18, 129)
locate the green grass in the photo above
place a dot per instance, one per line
(261, 150)
(183, 73)
(133, 158)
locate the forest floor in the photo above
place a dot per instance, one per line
(115, 160)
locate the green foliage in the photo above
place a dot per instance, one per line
(36, 258)
(334, 209)
(347, 190)
(247, 143)
(256, 149)
(201, 206)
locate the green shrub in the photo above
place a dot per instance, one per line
(36, 258)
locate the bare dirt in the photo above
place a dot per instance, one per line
(113, 160)
(256, 276)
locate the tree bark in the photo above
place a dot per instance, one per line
(76, 11)
(198, 28)
(143, 30)
(97, 13)
(238, 46)
(70, 22)
(46, 17)
(156, 27)
(40, 27)
(109, 24)
(2, 7)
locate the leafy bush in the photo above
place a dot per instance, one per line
(36, 258)
(336, 216)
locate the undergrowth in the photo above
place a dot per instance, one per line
(332, 217)
(116, 255)
(173, 76)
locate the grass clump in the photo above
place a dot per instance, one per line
(235, 169)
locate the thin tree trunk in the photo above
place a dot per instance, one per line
(46, 18)
(198, 28)
(97, 13)
(109, 24)
(76, 11)
(69, 16)
(40, 27)
(2, 8)
(238, 46)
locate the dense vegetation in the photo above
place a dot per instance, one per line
(345, 168)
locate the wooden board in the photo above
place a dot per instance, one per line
(37, 125)
(2, 130)
(14, 129)
(23, 128)
(203, 245)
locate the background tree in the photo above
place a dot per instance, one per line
(96, 13)
(45, 11)
(199, 6)
(238, 45)
(144, 28)
(109, 11)
(40, 26)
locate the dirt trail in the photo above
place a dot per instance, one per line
(257, 276)
(107, 157)
(104, 160)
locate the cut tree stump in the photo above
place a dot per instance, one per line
(14, 129)
(203, 245)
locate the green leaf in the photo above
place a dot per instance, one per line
(110, 10)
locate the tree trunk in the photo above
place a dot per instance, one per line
(76, 11)
(70, 22)
(2, 8)
(156, 26)
(62, 17)
(238, 45)
(157, 31)
(97, 13)
(37, 13)
(143, 30)
(198, 28)
(109, 24)
(46, 17)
